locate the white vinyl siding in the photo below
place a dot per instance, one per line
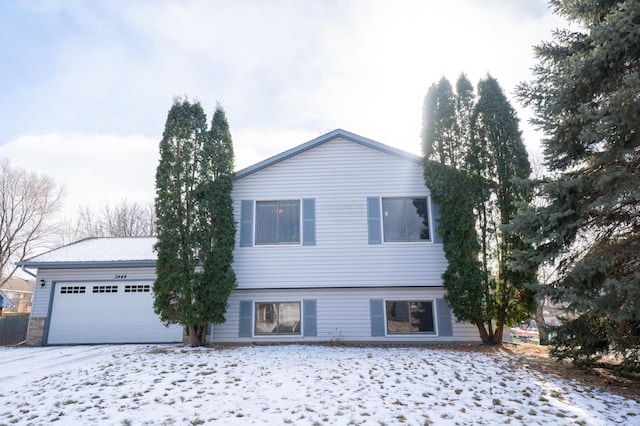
(339, 175)
(341, 314)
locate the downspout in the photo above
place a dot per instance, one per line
(24, 269)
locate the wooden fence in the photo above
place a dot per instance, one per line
(13, 329)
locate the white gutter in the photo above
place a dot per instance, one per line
(24, 269)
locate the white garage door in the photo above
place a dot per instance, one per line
(107, 312)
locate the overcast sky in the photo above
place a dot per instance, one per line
(86, 85)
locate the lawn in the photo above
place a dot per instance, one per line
(295, 384)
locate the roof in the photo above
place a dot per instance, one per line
(338, 133)
(17, 284)
(104, 252)
(5, 302)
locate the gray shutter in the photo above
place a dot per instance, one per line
(309, 221)
(445, 323)
(246, 223)
(376, 307)
(373, 220)
(310, 324)
(435, 210)
(246, 310)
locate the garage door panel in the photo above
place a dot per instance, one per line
(107, 312)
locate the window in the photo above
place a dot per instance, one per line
(137, 288)
(105, 288)
(72, 289)
(278, 222)
(278, 318)
(406, 317)
(405, 219)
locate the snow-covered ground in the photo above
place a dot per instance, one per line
(301, 385)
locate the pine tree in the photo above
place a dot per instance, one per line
(194, 224)
(473, 152)
(585, 98)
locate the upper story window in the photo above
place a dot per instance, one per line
(405, 219)
(278, 222)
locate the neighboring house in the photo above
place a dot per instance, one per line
(336, 240)
(17, 293)
(5, 303)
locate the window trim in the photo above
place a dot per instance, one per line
(277, 244)
(278, 335)
(434, 314)
(404, 197)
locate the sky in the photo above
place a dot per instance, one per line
(293, 384)
(86, 85)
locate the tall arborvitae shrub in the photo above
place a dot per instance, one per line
(194, 224)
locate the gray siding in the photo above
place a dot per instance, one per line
(342, 314)
(339, 175)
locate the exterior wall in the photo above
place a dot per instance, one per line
(343, 314)
(42, 295)
(339, 175)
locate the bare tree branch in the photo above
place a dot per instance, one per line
(28, 202)
(126, 219)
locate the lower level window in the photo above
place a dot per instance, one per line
(278, 318)
(409, 317)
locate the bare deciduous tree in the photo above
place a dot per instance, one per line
(28, 202)
(126, 219)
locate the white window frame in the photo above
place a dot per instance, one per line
(278, 335)
(404, 197)
(255, 223)
(434, 313)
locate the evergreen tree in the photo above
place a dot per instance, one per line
(193, 208)
(439, 127)
(498, 162)
(473, 182)
(217, 226)
(585, 98)
(445, 123)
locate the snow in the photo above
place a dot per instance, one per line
(101, 250)
(290, 384)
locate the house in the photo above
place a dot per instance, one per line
(337, 240)
(5, 303)
(17, 294)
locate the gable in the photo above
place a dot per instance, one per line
(336, 134)
(336, 169)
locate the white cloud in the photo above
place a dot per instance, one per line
(285, 72)
(97, 170)
(94, 169)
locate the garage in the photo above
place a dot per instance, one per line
(96, 290)
(106, 312)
